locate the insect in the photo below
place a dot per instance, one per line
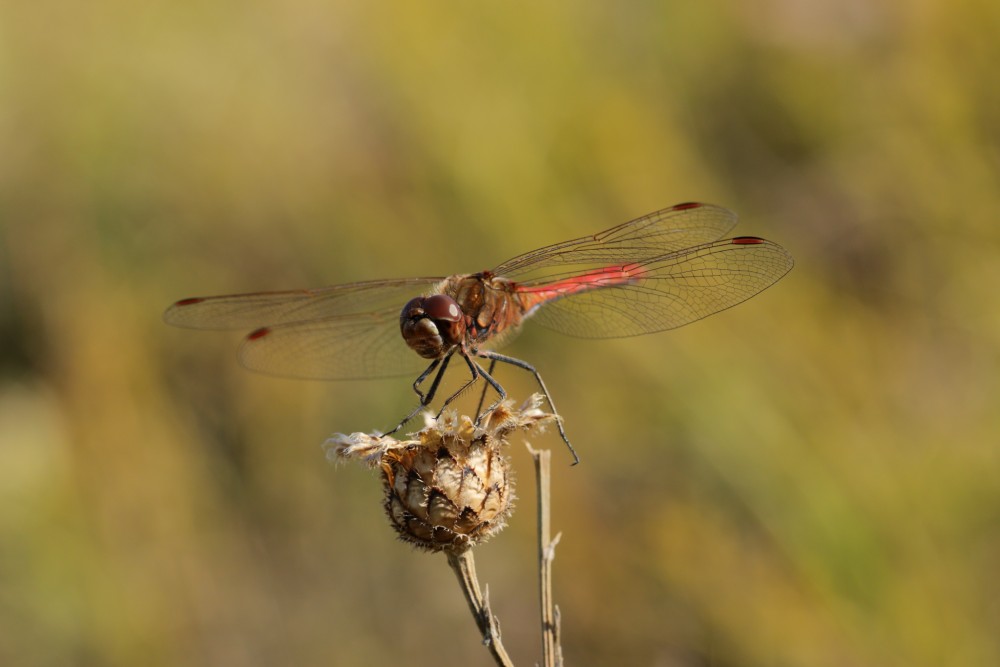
(654, 273)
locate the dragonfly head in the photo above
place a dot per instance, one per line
(432, 325)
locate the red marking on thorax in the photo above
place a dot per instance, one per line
(607, 277)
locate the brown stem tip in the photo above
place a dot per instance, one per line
(450, 487)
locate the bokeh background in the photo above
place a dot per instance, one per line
(811, 478)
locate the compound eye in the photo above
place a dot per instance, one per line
(442, 307)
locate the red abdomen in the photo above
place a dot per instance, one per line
(534, 296)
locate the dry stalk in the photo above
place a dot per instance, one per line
(551, 647)
(464, 567)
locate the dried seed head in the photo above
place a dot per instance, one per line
(450, 488)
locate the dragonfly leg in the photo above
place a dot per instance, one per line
(482, 397)
(475, 370)
(425, 399)
(501, 392)
(493, 356)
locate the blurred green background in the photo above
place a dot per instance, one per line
(808, 479)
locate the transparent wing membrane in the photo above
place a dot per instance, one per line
(247, 311)
(669, 291)
(657, 272)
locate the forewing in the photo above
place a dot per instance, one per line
(249, 311)
(346, 347)
(670, 291)
(654, 235)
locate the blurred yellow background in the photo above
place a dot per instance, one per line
(811, 478)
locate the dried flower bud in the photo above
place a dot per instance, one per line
(450, 488)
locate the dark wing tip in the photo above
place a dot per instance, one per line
(746, 240)
(686, 205)
(258, 334)
(174, 313)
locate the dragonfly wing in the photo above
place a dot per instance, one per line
(346, 347)
(247, 311)
(654, 235)
(669, 291)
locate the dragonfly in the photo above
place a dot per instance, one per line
(658, 272)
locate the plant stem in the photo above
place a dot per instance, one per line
(551, 648)
(464, 567)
